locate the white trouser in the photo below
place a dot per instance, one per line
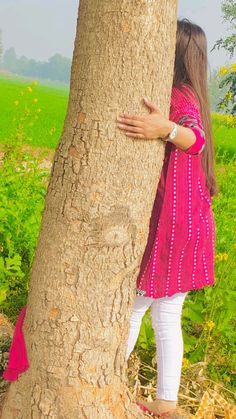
(166, 323)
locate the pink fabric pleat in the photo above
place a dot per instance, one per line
(18, 360)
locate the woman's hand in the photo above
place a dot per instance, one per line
(149, 126)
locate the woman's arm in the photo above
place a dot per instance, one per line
(191, 140)
(190, 135)
(185, 111)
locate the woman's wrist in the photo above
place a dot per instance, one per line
(167, 129)
(185, 137)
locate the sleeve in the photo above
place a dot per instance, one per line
(185, 112)
(198, 146)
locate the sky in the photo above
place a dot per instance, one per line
(41, 28)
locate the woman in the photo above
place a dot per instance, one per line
(179, 255)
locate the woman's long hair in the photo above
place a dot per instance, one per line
(191, 65)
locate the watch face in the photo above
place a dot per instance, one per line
(173, 133)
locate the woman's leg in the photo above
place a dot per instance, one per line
(140, 306)
(166, 322)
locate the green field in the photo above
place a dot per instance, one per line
(52, 101)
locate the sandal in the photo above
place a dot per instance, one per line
(158, 415)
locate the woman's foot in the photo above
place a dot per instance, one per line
(159, 405)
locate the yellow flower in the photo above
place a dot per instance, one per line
(233, 66)
(52, 130)
(185, 363)
(30, 89)
(223, 70)
(228, 120)
(16, 102)
(35, 99)
(221, 256)
(229, 95)
(209, 325)
(39, 110)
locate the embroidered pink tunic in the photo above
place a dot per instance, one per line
(179, 254)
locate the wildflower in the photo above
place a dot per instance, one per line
(39, 110)
(229, 95)
(221, 256)
(233, 66)
(185, 363)
(35, 99)
(52, 130)
(223, 70)
(209, 325)
(16, 102)
(30, 89)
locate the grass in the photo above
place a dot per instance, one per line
(225, 143)
(51, 100)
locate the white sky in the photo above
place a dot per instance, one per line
(40, 28)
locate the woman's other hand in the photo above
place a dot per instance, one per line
(151, 126)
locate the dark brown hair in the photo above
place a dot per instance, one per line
(191, 65)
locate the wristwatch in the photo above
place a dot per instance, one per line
(172, 134)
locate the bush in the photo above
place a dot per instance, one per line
(23, 186)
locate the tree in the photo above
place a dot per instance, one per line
(56, 68)
(228, 80)
(59, 68)
(229, 15)
(213, 86)
(228, 102)
(1, 48)
(95, 221)
(9, 59)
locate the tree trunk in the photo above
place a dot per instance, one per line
(96, 217)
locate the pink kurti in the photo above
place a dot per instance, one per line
(179, 254)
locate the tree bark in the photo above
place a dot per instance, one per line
(95, 221)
